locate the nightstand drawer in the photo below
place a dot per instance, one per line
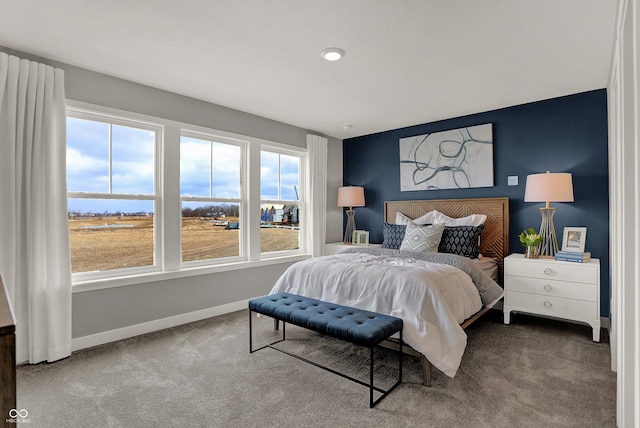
(552, 288)
(554, 306)
(552, 269)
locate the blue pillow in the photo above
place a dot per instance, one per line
(392, 235)
(461, 240)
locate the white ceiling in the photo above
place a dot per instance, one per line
(407, 62)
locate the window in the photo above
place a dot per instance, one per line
(210, 192)
(150, 196)
(279, 201)
(111, 183)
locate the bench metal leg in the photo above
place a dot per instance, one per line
(371, 386)
(251, 350)
(372, 403)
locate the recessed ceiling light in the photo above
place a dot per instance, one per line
(332, 54)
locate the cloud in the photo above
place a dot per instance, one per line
(209, 168)
(85, 173)
(133, 160)
(289, 179)
(88, 163)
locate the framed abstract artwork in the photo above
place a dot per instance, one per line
(455, 159)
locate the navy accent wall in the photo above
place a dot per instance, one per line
(566, 134)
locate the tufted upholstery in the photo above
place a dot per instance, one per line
(354, 325)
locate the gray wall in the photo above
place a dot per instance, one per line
(113, 308)
(107, 309)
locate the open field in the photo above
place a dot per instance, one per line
(104, 243)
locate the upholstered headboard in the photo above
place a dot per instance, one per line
(494, 241)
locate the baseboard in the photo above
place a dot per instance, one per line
(84, 342)
(155, 325)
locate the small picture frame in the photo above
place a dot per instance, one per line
(574, 239)
(360, 238)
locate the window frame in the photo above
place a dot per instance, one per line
(241, 200)
(113, 119)
(302, 156)
(167, 205)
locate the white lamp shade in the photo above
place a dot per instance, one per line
(351, 196)
(556, 187)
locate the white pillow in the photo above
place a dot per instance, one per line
(428, 218)
(422, 238)
(472, 220)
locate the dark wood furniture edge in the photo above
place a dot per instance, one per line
(7, 318)
(7, 357)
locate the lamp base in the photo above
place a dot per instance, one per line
(351, 226)
(549, 245)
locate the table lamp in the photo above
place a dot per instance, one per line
(350, 196)
(549, 187)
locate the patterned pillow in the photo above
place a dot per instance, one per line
(392, 235)
(422, 238)
(461, 240)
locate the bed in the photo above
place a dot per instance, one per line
(439, 295)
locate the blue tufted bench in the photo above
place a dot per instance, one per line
(357, 326)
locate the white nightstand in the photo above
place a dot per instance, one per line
(558, 289)
(331, 248)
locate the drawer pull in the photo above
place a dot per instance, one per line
(547, 271)
(547, 287)
(547, 304)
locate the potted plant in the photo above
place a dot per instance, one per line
(530, 239)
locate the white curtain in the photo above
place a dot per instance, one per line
(34, 235)
(317, 161)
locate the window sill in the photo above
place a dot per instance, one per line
(123, 281)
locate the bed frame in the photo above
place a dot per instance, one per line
(494, 242)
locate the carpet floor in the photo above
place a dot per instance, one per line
(531, 373)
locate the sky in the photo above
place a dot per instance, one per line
(207, 168)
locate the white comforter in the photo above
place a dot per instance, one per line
(431, 298)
